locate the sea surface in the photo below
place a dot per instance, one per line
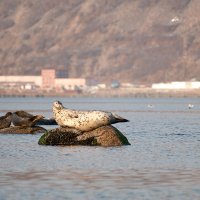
(162, 162)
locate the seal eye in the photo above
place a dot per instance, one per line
(59, 103)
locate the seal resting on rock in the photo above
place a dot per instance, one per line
(22, 118)
(83, 120)
(5, 121)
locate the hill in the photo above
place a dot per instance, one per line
(130, 41)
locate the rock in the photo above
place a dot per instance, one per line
(22, 130)
(102, 136)
(105, 136)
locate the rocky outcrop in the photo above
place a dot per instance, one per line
(102, 136)
(154, 40)
(22, 130)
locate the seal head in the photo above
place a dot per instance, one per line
(58, 105)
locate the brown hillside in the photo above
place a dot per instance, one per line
(126, 40)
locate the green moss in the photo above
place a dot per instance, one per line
(94, 142)
(42, 140)
(122, 138)
(60, 136)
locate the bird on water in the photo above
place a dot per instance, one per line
(83, 120)
(190, 106)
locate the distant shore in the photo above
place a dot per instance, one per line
(117, 92)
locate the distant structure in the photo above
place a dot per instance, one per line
(22, 82)
(50, 80)
(177, 85)
(47, 80)
(70, 83)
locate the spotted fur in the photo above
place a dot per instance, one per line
(83, 120)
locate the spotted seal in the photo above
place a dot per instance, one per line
(83, 120)
(22, 118)
(5, 121)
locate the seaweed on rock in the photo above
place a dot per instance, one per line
(102, 136)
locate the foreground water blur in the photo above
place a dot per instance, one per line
(163, 161)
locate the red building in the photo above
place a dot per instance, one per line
(48, 78)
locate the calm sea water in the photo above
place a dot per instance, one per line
(163, 161)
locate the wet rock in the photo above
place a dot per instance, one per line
(22, 130)
(102, 136)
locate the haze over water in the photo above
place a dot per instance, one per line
(162, 162)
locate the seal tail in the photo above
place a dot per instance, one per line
(121, 120)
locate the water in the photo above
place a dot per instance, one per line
(163, 161)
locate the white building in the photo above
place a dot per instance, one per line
(44, 81)
(37, 80)
(177, 85)
(70, 83)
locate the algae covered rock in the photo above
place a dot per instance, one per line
(102, 136)
(22, 130)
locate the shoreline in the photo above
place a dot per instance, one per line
(117, 92)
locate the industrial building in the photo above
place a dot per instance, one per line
(47, 80)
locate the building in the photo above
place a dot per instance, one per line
(47, 80)
(20, 82)
(50, 80)
(70, 83)
(177, 85)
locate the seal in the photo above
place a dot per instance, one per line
(5, 121)
(24, 114)
(22, 118)
(83, 120)
(42, 121)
